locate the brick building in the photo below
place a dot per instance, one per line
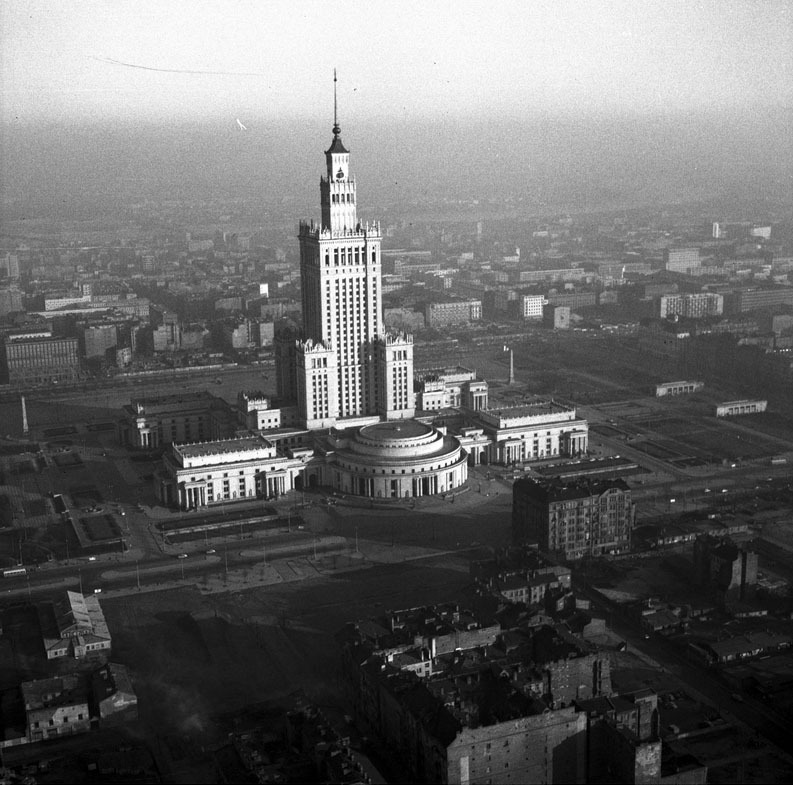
(573, 519)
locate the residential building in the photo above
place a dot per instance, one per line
(693, 306)
(55, 707)
(453, 312)
(113, 694)
(532, 307)
(488, 705)
(751, 298)
(573, 519)
(572, 300)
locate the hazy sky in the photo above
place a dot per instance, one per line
(89, 59)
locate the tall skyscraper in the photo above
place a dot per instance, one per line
(346, 365)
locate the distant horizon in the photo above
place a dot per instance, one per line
(349, 120)
(588, 157)
(146, 60)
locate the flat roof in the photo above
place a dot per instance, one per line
(222, 446)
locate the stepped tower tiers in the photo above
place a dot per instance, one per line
(340, 270)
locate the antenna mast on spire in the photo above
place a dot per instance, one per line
(336, 128)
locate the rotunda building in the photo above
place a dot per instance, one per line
(396, 459)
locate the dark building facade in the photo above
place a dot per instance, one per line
(722, 565)
(573, 519)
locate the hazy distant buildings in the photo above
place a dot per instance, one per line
(664, 339)
(97, 340)
(693, 306)
(682, 260)
(572, 300)
(751, 298)
(573, 519)
(531, 307)
(557, 317)
(10, 300)
(166, 331)
(9, 266)
(453, 312)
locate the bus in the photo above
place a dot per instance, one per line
(12, 572)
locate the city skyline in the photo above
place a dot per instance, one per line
(171, 62)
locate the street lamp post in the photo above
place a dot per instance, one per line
(137, 574)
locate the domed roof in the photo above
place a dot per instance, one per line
(395, 431)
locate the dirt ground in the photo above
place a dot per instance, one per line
(195, 657)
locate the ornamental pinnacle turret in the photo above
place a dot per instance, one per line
(337, 188)
(345, 367)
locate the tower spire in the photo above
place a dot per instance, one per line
(336, 129)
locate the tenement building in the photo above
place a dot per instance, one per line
(456, 698)
(573, 519)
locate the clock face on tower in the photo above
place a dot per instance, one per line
(340, 174)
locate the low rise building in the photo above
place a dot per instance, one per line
(74, 626)
(530, 432)
(677, 388)
(199, 474)
(735, 408)
(113, 694)
(55, 707)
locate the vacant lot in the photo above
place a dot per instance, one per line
(193, 657)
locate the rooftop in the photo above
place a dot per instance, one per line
(223, 446)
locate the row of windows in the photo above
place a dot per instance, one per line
(51, 722)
